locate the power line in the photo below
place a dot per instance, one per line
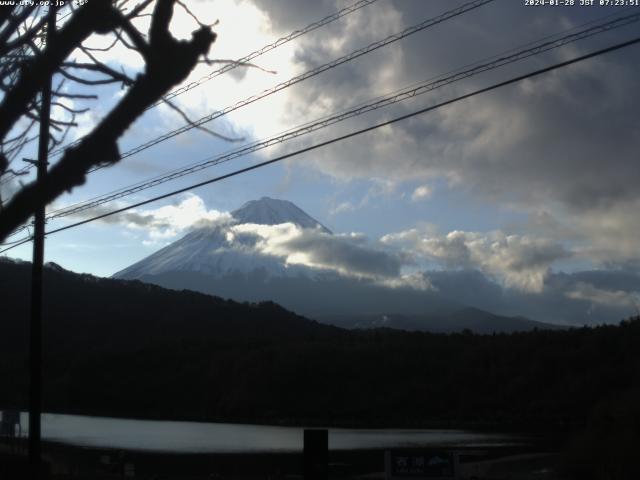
(381, 102)
(249, 57)
(357, 132)
(344, 137)
(308, 128)
(14, 151)
(308, 74)
(28, 238)
(239, 62)
(16, 244)
(267, 48)
(437, 77)
(297, 79)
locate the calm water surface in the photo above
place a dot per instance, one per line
(199, 437)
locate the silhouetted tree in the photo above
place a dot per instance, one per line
(26, 63)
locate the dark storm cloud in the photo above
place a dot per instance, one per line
(566, 142)
(344, 253)
(286, 15)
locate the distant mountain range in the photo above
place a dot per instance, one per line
(209, 261)
(470, 318)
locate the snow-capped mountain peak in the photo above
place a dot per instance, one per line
(213, 251)
(270, 211)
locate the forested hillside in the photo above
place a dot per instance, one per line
(130, 349)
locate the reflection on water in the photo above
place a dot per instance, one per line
(198, 437)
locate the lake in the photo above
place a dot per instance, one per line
(201, 437)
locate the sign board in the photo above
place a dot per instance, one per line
(427, 464)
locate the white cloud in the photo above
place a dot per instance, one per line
(262, 118)
(190, 212)
(416, 281)
(348, 254)
(519, 261)
(420, 193)
(165, 223)
(235, 39)
(343, 207)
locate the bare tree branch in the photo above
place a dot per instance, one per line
(85, 81)
(74, 96)
(168, 63)
(94, 16)
(60, 141)
(14, 21)
(69, 109)
(139, 42)
(237, 64)
(102, 49)
(139, 8)
(199, 127)
(6, 13)
(190, 13)
(159, 31)
(98, 66)
(26, 37)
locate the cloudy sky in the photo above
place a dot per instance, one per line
(521, 184)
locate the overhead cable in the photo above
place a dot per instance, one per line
(355, 133)
(239, 62)
(361, 109)
(308, 74)
(344, 137)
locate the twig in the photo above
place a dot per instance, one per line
(199, 127)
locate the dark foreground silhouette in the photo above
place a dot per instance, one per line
(129, 349)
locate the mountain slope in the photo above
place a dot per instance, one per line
(270, 211)
(208, 250)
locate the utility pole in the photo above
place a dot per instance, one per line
(35, 327)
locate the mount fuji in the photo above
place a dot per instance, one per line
(237, 258)
(224, 259)
(211, 251)
(269, 211)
